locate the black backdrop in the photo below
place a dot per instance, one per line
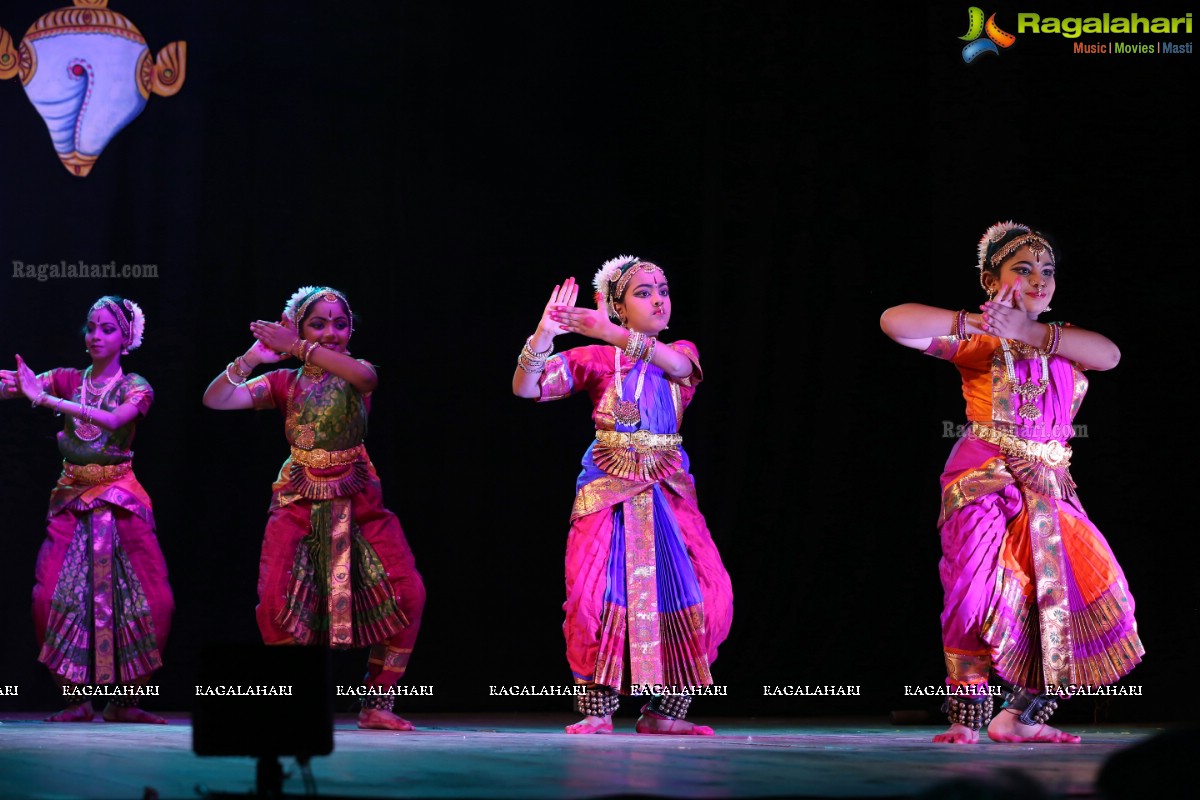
(795, 170)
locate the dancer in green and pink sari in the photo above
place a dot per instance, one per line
(336, 569)
(101, 605)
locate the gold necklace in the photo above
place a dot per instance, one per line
(626, 411)
(85, 431)
(1029, 390)
(305, 436)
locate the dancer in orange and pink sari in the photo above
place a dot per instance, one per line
(336, 570)
(1033, 594)
(101, 605)
(648, 599)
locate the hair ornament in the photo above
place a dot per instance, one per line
(606, 279)
(137, 327)
(612, 278)
(129, 317)
(305, 296)
(293, 303)
(993, 235)
(1027, 237)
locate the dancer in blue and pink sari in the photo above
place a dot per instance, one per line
(1033, 594)
(648, 599)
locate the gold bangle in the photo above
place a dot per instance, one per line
(231, 380)
(528, 348)
(649, 354)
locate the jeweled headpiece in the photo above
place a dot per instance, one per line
(129, 317)
(297, 305)
(613, 277)
(1005, 238)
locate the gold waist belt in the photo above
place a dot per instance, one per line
(638, 455)
(642, 441)
(1052, 453)
(324, 459)
(96, 473)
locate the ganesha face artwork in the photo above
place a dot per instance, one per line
(88, 72)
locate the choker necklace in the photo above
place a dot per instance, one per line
(84, 430)
(1029, 390)
(626, 411)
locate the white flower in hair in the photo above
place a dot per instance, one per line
(609, 272)
(293, 303)
(136, 327)
(995, 234)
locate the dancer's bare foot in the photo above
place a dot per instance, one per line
(649, 722)
(1006, 727)
(115, 713)
(591, 724)
(377, 719)
(958, 734)
(80, 712)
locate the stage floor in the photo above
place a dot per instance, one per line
(528, 756)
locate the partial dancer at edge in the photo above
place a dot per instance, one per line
(1033, 593)
(101, 604)
(336, 569)
(644, 579)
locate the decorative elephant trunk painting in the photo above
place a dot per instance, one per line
(88, 72)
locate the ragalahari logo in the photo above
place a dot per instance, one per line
(976, 27)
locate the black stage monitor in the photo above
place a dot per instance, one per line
(254, 700)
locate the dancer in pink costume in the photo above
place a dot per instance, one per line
(101, 605)
(645, 584)
(1033, 594)
(336, 570)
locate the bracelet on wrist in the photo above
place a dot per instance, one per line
(649, 354)
(1053, 339)
(238, 370)
(531, 361)
(229, 377)
(959, 329)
